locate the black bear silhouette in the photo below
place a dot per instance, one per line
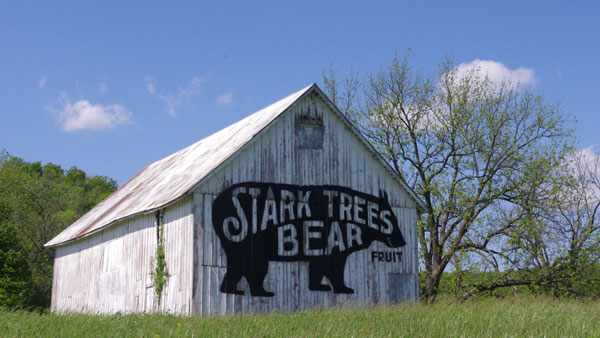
(322, 225)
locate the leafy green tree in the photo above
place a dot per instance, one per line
(43, 200)
(566, 248)
(16, 287)
(475, 151)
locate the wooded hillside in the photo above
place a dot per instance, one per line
(36, 203)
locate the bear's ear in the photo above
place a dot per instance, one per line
(384, 197)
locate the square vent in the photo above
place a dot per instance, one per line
(310, 131)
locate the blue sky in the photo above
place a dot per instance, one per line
(154, 77)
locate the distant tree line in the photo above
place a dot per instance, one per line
(36, 203)
(510, 204)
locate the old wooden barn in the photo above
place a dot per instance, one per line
(287, 209)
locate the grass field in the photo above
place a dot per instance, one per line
(528, 317)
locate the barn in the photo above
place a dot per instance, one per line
(287, 209)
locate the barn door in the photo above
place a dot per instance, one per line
(402, 287)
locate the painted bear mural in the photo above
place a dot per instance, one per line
(322, 225)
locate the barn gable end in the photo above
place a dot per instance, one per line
(277, 156)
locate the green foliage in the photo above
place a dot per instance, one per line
(160, 273)
(526, 317)
(16, 289)
(37, 202)
(481, 155)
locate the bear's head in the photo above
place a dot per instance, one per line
(391, 237)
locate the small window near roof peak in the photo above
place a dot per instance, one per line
(310, 131)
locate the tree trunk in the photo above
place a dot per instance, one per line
(432, 283)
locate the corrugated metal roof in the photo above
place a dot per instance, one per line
(163, 182)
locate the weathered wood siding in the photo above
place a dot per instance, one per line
(274, 157)
(110, 271)
(179, 235)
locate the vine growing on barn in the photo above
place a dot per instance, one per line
(160, 273)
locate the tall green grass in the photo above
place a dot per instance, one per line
(528, 317)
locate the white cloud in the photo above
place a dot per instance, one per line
(150, 85)
(590, 159)
(225, 99)
(41, 83)
(173, 100)
(586, 163)
(588, 153)
(498, 73)
(83, 115)
(103, 88)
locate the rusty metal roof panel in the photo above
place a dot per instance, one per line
(164, 181)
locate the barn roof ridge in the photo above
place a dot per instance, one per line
(165, 181)
(421, 206)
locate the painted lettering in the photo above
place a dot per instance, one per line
(385, 217)
(358, 209)
(330, 195)
(303, 203)
(353, 235)
(345, 207)
(262, 222)
(241, 229)
(287, 204)
(386, 256)
(335, 239)
(270, 212)
(254, 192)
(310, 234)
(283, 240)
(372, 212)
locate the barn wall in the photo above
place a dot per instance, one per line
(110, 271)
(179, 234)
(274, 157)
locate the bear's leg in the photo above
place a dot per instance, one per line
(230, 282)
(316, 272)
(256, 278)
(336, 274)
(232, 277)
